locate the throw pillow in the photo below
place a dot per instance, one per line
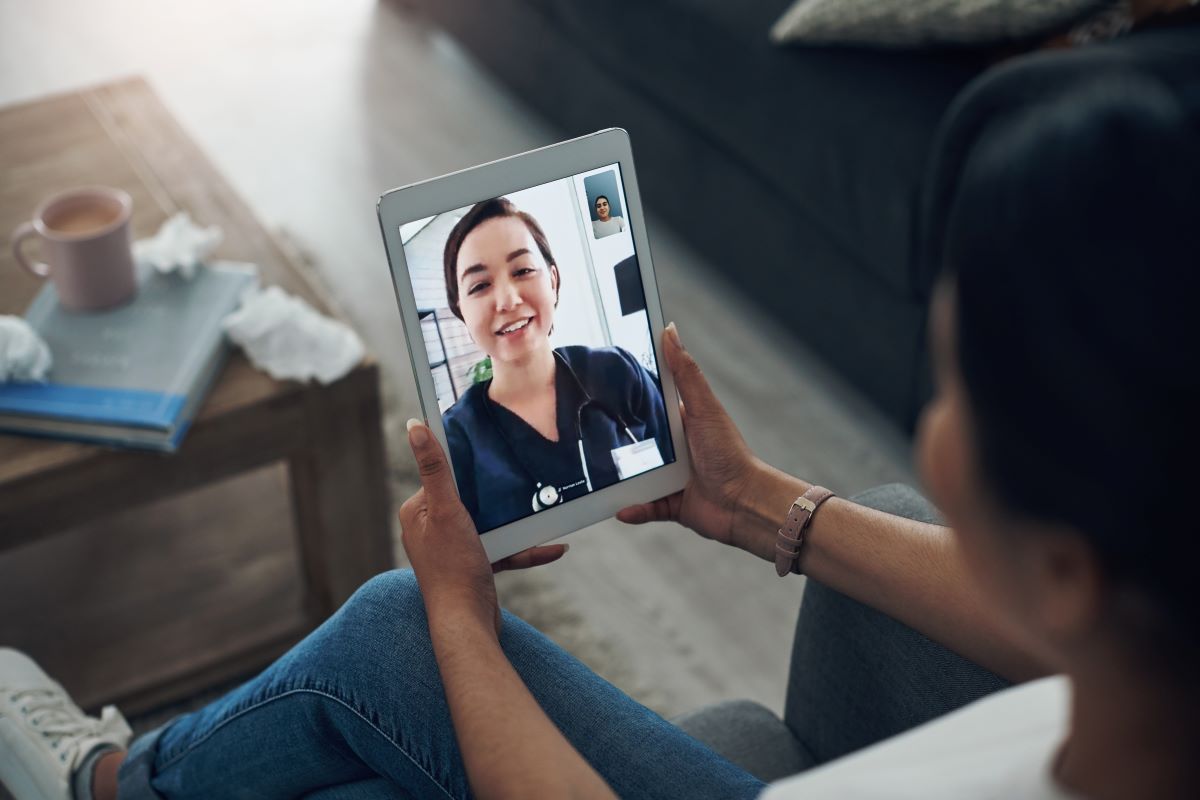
(911, 23)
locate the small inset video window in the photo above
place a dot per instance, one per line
(608, 216)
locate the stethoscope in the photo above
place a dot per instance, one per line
(547, 494)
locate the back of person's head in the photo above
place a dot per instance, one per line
(1073, 244)
(496, 208)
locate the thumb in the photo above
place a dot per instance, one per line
(693, 387)
(436, 476)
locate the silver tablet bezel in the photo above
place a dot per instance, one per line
(458, 189)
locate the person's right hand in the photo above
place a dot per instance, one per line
(722, 464)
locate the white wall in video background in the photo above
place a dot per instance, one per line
(588, 311)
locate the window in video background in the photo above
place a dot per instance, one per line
(601, 304)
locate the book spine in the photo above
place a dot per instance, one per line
(132, 407)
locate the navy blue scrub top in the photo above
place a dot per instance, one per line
(497, 485)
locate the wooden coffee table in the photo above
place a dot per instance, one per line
(281, 505)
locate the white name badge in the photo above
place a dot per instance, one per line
(634, 459)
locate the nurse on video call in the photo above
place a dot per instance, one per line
(551, 424)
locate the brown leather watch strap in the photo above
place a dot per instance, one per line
(791, 535)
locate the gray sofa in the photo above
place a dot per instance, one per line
(798, 171)
(857, 676)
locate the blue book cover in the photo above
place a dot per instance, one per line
(129, 375)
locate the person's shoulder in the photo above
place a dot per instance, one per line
(463, 414)
(606, 360)
(999, 746)
(583, 354)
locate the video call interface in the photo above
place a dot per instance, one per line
(537, 335)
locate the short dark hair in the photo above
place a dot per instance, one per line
(600, 197)
(478, 214)
(1072, 244)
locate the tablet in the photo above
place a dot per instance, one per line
(533, 323)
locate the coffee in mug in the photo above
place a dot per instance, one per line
(83, 219)
(86, 247)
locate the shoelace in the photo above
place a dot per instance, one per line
(51, 714)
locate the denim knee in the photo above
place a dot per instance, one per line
(393, 593)
(380, 629)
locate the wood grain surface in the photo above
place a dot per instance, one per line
(162, 619)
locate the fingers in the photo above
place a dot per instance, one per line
(689, 379)
(664, 509)
(533, 557)
(637, 515)
(437, 479)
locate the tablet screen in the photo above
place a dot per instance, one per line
(536, 332)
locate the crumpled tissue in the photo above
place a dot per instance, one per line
(179, 246)
(24, 355)
(286, 338)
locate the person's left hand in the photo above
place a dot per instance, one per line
(440, 539)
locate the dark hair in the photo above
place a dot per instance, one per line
(1073, 243)
(600, 197)
(480, 213)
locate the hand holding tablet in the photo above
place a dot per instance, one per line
(723, 471)
(533, 340)
(440, 540)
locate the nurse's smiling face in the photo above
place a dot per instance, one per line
(506, 290)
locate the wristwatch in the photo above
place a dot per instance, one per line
(791, 535)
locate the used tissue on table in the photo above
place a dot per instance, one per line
(179, 246)
(24, 355)
(283, 336)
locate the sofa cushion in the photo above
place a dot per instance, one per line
(841, 136)
(750, 736)
(918, 23)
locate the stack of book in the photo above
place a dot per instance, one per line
(133, 376)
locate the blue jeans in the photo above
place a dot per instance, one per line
(357, 710)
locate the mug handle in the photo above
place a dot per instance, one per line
(23, 232)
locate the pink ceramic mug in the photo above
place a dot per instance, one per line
(86, 247)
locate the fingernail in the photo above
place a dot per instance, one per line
(566, 547)
(675, 335)
(418, 434)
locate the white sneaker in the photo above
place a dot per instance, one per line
(43, 735)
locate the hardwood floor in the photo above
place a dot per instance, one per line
(311, 111)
